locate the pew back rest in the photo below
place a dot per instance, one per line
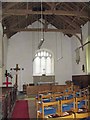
(79, 99)
(62, 102)
(49, 104)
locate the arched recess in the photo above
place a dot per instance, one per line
(43, 63)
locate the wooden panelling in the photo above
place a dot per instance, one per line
(58, 88)
(31, 90)
(81, 80)
(36, 89)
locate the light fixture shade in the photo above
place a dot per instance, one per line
(40, 44)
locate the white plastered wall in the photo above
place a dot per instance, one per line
(77, 68)
(22, 47)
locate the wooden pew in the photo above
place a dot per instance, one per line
(34, 90)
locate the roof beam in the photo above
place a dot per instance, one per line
(52, 5)
(23, 20)
(69, 21)
(67, 31)
(76, 17)
(10, 5)
(46, 12)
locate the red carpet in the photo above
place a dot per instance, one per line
(21, 109)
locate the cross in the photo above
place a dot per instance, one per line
(6, 83)
(16, 69)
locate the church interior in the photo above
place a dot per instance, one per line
(45, 60)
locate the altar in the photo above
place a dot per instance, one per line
(44, 79)
(47, 83)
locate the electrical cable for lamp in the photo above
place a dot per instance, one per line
(42, 30)
(41, 20)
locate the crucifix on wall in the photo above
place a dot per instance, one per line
(17, 69)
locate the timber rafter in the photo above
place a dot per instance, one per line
(68, 31)
(46, 12)
(66, 17)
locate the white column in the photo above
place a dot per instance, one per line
(1, 34)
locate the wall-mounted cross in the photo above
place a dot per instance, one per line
(7, 75)
(17, 69)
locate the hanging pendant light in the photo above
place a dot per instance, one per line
(40, 44)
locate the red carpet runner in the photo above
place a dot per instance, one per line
(21, 109)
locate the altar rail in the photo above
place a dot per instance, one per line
(39, 83)
(8, 101)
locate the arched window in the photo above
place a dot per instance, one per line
(43, 63)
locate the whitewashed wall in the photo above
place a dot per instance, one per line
(20, 52)
(5, 50)
(1, 33)
(88, 65)
(77, 68)
(22, 47)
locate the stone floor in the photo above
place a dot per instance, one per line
(32, 108)
(0, 110)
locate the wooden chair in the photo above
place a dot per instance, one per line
(69, 95)
(67, 108)
(44, 92)
(81, 105)
(43, 98)
(57, 96)
(46, 109)
(46, 98)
